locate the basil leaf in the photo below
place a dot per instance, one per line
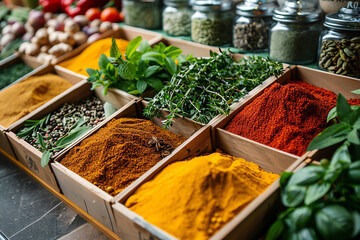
(300, 217)
(103, 62)
(355, 117)
(144, 46)
(331, 115)
(90, 71)
(132, 46)
(170, 65)
(141, 86)
(306, 234)
(307, 175)
(109, 109)
(172, 51)
(334, 222)
(153, 56)
(45, 158)
(155, 83)
(343, 109)
(330, 136)
(284, 178)
(356, 217)
(316, 191)
(353, 137)
(293, 195)
(151, 70)
(275, 230)
(353, 173)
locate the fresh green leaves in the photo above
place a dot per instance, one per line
(143, 68)
(323, 200)
(206, 87)
(32, 126)
(334, 222)
(346, 130)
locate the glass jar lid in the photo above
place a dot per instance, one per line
(256, 7)
(211, 6)
(345, 19)
(176, 3)
(297, 11)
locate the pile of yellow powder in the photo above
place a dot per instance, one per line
(24, 97)
(193, 199)
(89, 58)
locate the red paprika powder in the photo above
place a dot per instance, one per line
(286, 117)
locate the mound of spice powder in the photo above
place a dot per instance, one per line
(121, 152)
(286, 117)
(24, 97)
(89, 58)
(192, 199)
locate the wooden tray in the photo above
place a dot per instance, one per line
(89, 197)
(42, 69)
(247, 224)
(24, 152)
(333, 82)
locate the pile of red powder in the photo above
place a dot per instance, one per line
(286, 117)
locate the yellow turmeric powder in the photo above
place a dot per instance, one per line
(27, 95)
(89, 58)
(193, 199)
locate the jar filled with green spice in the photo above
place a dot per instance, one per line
(294, 36)
(177, 18)
(252, 25)
(339, 50)
(211, 23)
(143, 13)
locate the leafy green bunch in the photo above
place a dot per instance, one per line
(323, 200)
(206, 87)
(143, 68)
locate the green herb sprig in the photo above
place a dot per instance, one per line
(208, 86)
(142, 69)
(323, 200)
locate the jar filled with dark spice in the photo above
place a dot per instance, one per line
(294, 36)
(252, 25)
(211, 23)
(339, 50)
(177, 18)
(143, 13)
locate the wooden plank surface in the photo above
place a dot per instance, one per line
(65, 200)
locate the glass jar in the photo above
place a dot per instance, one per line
(252, 25)
(339, 45)
(211, 23)
(177, 18)
(143, 13)
(294, 36)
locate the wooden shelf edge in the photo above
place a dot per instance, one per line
(64, 199)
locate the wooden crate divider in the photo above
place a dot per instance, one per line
(89, 197)
(27, 154)
(329, 81)
(131, 225)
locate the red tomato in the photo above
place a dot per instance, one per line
(121, 17)
(109, 14)
(93, 13)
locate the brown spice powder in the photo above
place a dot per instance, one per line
(119, 153)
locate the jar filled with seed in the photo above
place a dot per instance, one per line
(143, 13)
(252, 25)
(339, 50)
(295, 34)
(211, 23)
(177, 18)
